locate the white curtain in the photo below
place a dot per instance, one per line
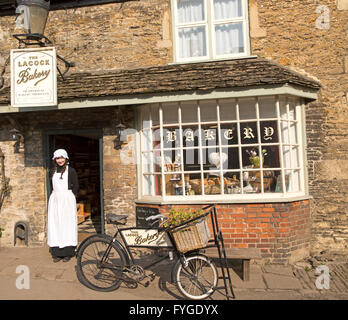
(192, 41)
(226, 9)
(190, 11)
(229, 38)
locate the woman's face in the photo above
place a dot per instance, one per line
(60, 161)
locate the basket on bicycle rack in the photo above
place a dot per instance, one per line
(191, 235)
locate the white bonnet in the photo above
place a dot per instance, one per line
(60, 153)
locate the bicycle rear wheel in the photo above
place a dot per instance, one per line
(92, 272)
(198, 279)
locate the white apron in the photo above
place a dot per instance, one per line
(62, 214)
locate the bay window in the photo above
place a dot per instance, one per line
(246, 148)
(210, 29)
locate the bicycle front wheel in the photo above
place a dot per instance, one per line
(198, 278)
(95, 273)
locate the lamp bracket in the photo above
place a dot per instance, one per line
(37, 39)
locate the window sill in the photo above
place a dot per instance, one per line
(212, 60)
(286, 199)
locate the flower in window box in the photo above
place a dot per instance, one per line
(255, 159)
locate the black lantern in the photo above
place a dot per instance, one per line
(35, 13)
(19, 138)
(119, 129)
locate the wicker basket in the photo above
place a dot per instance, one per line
(191, 236)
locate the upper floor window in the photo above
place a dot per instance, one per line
(210, 29)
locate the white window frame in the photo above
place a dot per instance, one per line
(210, 33)
(254, 197)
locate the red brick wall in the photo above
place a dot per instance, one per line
(280, 230)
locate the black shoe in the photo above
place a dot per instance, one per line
(56, 259)
(66, 259)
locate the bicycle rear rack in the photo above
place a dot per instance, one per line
(218, 242)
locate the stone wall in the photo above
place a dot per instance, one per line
(311, 37)
(107, 37)
(28, 199)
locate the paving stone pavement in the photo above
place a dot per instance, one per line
(52, 281)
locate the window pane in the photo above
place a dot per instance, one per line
(170, 113)
(173, 184)
(227, 110)
(209, 158)
(285, 132)
(248, 132)
(293, 133)
(269, 131)
(190, 136)
(229, 38)
(192, 42)
(251, 182)
(232, 161)
(271, 183)
(212, 183)
(247, 109)
(209, 135)
(208, 110)
(172, 160)
(146, 140)
(295, 155)
(267, 107)
(229, 135)
(225, 9)
(155, 115)
(193, 184)
(270, 156)
(287, 157)
(232, 183)
(171, 137)
(190, 11)
(250, 157)
(147, 162)
(295, 181)
(147, 185)
(188, 112)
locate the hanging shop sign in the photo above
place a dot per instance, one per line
(33, 77)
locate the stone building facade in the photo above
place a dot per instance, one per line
(125, 57)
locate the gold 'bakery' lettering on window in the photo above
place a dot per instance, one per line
(248, 133)
(268, 133)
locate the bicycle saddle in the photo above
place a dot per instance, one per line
(114, 218)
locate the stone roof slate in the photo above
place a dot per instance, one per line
(204, 76)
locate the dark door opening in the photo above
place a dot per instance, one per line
(83, 149)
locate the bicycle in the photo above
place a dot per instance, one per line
(103, 262)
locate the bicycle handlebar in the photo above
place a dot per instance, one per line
(157, 216)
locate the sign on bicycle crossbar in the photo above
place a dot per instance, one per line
(146, 238)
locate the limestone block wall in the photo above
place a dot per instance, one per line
(312, 37)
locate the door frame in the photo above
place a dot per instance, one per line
(99, 132)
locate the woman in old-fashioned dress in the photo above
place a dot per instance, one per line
(62, 212)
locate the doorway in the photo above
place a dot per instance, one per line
(84, 148)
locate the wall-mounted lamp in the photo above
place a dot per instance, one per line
(117, 142)
(32, 19)
(19, 138)
(34, 13)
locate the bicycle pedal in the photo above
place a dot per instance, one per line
(146, 284)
